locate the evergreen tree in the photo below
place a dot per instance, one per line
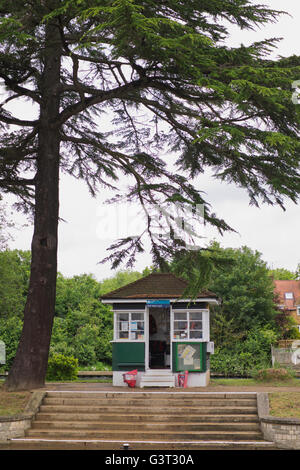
(115, 85)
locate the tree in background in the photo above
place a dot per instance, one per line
(114, 87)
(248, 322)
(121, 278)
(246, 289)
(286, 325)
(71, 291)
(14, 280)
(282, 274)
(241, 280)
(244, 325)
(84, 332)
(83, 327)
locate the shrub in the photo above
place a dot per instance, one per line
(236, 364)
(227, 363)
(62, 367)
(10, 332)
(272, 375)
(242, 358)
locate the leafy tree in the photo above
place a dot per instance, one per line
(60, 341)
(121, 278)
(71, 292)
(10, 332)
(241, 280)
(14, 280)
(282, 274)
(246, 289)
(84, 332)
(114, 87)
(223, 331)
(286, 325)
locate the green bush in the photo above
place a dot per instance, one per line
(246, 356)
(62, 367)
(234, 364)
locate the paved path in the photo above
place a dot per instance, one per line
(210, 388)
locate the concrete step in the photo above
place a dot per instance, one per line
(96, 444)
(162, 402)
(163, 420)
(144, 435)
(145, 418)
(146, 426)
(153, 395)
(157, 378)
(178, 410)
(158, 372)
(155, 383)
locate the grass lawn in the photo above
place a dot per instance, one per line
(285, 405)
(252, 382)
(282, 404)
(12, 403)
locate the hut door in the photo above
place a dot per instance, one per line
(159, 338)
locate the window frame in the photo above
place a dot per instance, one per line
(205, 325)
(290, 295)
(116, 325)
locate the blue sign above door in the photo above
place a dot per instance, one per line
(157, 303)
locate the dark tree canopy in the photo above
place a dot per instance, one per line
(141, 78)
(118, 85)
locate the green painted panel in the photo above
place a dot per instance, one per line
(189, 356)
(127, 356)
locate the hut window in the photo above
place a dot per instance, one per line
(130, 326)
(187, 325)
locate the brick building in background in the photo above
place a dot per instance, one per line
(288, 294)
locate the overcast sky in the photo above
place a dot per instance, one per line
(91, 226)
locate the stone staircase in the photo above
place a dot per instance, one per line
(145, 420)
(158, 378)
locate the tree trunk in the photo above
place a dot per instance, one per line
(30, 365)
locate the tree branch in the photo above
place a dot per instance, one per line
(18, 122)
(100, 96)
(17, 182)
(19, 89)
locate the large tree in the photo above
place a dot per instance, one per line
(117, 85)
